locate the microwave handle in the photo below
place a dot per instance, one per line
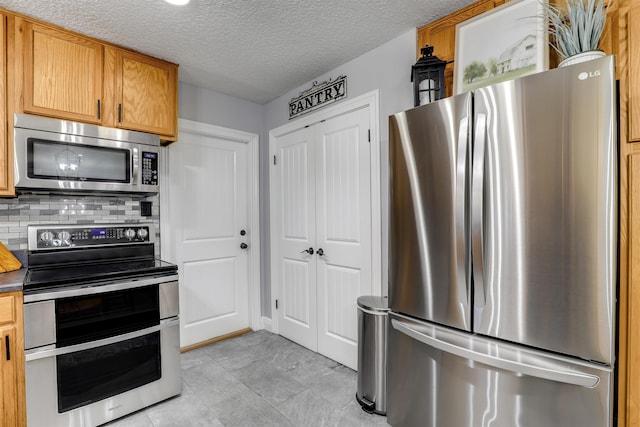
(135, 159)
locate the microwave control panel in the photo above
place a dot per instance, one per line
(149, 168)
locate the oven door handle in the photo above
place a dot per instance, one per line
(99, 288)
(51, 350)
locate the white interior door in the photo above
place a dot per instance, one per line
(209, 198)
(296, 237)
(343, 226)
(323, 201)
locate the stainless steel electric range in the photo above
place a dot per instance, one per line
(101, 324)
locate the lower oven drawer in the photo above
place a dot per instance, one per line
(72, 316)
(86, 387)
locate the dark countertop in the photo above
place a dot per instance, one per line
(12, 280)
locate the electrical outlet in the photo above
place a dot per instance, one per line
(145, 208)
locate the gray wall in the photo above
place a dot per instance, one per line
(386, 68)
(215, 108)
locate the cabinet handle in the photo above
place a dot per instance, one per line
(7, 348)
(99, 109)
(120, 113)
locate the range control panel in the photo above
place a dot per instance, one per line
(58, 237)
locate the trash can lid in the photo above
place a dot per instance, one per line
(374, 303)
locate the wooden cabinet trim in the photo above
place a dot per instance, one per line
(633, 40)
(633, 295)
(6, 151)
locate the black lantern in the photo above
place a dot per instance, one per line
(427, 76)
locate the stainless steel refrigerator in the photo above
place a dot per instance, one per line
(503, 259)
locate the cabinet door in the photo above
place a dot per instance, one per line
(12, 400)
(62, 74)
(146, 94)
(8, 376)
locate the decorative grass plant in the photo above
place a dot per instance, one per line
(575, 27)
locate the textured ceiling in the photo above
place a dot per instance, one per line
(251, 49)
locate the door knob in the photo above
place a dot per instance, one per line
(308, 251)
(243, 246)
(320, 252)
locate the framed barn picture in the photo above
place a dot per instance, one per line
(501, 44)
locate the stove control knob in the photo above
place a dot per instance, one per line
(46, 236)
(142, 233)
(65, 238)
(56, 242)
(130, 233)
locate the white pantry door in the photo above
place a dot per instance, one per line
(323, 194)
(343, 227)
(209, 198)
(296, 237)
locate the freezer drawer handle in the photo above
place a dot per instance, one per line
(569, 377)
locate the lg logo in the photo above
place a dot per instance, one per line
(585, 75)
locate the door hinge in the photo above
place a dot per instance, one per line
(369, 134)
(274, 159)
(276, 304)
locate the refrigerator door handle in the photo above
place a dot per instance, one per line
(547, 373)
(477, 202)
(461, 220)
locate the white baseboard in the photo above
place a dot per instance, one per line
(266, 324)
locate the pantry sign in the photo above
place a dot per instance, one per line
(318, 95)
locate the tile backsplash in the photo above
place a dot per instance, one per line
(32, 209)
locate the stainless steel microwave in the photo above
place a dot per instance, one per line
(54, 155)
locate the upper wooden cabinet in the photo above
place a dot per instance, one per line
(59, 73)
(441, 34)
(62, 74)
(145, 92)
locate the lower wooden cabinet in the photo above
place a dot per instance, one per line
(12, 398)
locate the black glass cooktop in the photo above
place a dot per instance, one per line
(54, 276)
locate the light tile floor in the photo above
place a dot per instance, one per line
(258, 379)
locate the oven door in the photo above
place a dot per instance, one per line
(112, 350)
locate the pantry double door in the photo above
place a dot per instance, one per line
(322, 236)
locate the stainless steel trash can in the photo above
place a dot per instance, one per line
(372, 354)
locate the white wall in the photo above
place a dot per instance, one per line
(386, 68)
